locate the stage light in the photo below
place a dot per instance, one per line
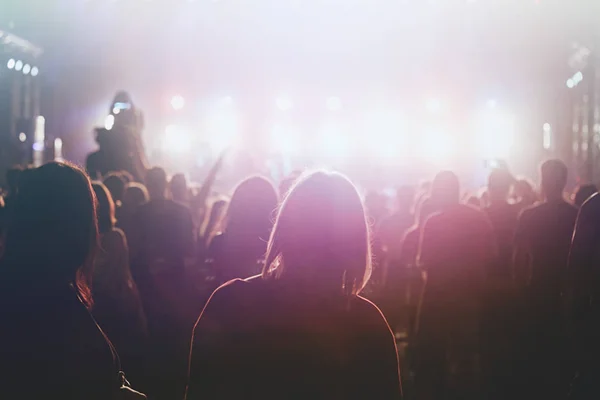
(177, 102)
(546, 127)
(58, 146)
(334, 103)
(109, 122)
(284, 103)
(570, 83)
(11, 63)
(116, 110)
(26, 69)
(434, 105)
(285, 139)
(547, 136)
(491, 103)
(332, 142)
(176, 139)
(22, 137)
(437, 146)
(19, 65)
(578, 77)
(35, 71)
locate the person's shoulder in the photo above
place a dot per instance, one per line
(591, 205)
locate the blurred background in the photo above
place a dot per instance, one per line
(381, 89)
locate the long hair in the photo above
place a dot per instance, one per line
(321, 233)
(250, 210)
(52, 233)
(105, 209)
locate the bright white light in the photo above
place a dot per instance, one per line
(284, 103)
(438, 146)
(434, 105)
(35, 71)
(285, 139)
(109, 122)
(578, 77)
(384, 133)
(546, 127)
(494, 134)
(547, 139)
(22, 137)
(491, 103)
(222, 129)
(19, 65)
(334, 103)
(116, 110)
(226, 101)
(332, 142)
(11, 63)
(26, 69)
(177, 102)
(570, 83)
(58, 145)
(176, 139)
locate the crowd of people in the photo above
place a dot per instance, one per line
(309, 290)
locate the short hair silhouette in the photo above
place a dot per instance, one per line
(554, 175)
(52, 235)
(105, 208)
(499, 183)
(156, 182)
(583, 193)
(251, 208)
(136, 194)
(115, 183)
(321, 234)
(178, 186)
(445, 188)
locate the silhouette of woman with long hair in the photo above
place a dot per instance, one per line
(300, 329)
(50, 344)
(238, 251)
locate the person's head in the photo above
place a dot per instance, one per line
(135, 195)
(554, 179)
(115, 184)
(178, 187)
(321, 236)
(445, 189)
(156, 182)
(105, 208)
(405, 198)
(12, 179)
(52, 234)
(473, 201)
(251, 208)
(499, 183)
(286, 183)
(524, 190)
(583, 193)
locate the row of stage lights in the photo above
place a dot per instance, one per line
(20, 66)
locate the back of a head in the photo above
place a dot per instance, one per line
(251, 208)
(178, 186)
(115, 184)
(135, 195)
(105, 209)
(52, 231)
(584, 192)
(554, 175)
(12, 178)
(321, 235)
(445, 189)
(156, 182)
(499, 183)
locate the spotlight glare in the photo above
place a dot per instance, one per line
(22, 137)
(177, 102)
(334, 103)
(578, 77)
(35, 71)
(26, 69)
(284, 103)
(570, 83)
(109, 122)
(19, 65)
(11, 63)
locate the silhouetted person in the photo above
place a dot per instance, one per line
(162, 239)
(300, 330)
(117, 305)
(525, 194)
(455, 250)
(542, 243)
(51, 346)
(135, 196)
(217, 210)
(584, 275)
(238, 252)
(583, 193)
(115, 183)
(179, 189)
